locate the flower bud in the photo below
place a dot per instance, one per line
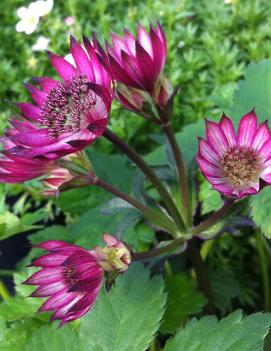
(115, 256)
(162, 91)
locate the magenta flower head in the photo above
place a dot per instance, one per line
(71, 276)
(69, 114)
(236, 164)
(138, 62)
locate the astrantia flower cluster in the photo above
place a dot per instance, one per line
(71, 276)
(67, 115)
(48, 137)
(236, 164)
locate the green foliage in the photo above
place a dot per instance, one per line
(211, 199)
(253, 92)
(130, 314)
(47, 338)
(235, 333)
(188, 145)
(183, 300)
(261, 211)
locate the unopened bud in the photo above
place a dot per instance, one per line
(162, 91)
(115, 256)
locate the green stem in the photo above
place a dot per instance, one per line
(4, 291)
(158, 218)
(6, 272)
(264, 270)
(201, 274)
(149, 173)
(138, 256)
(181, 173)
(214, 218)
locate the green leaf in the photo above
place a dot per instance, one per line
(139, 236)
(187, 141)
(18, 307)
(16, 337)
(53, 339)
(127, 318)
(253, 92)
(233, 333)
(10, 225)
(211, 199)
(183, 300)
(111, 168)
(261, 211)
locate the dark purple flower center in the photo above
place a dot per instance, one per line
(67, 105)
(69, 275)
(241, 166)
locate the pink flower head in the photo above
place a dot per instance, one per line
(138, 62)
(70, 277)
(236, 164)
(69, 114)
(16, 169)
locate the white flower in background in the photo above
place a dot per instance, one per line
(228, 1)
(41, 44)
(30, 15)
(29, 19)
(43, 7)
(70, 59)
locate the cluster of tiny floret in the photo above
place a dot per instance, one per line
(240, 165)
(67, 105)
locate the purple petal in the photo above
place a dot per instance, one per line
(46, 83)
(81, 60)
(206, 151)
(216, 138)
(37, 95)
(50, 260)
(247, 129)
(45, 275)
(146, 66)
(228, 129)
(49, 289)
(29, 110)
(263, 134)
(144, 39)
(63, 67)
(58, 300)
(39, 137)
(207, 167)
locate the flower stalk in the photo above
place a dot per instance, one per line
(264, 270)
(159, 219)
(214, 218)
(139, 256)
(201, 274)
(181, 172)
(134, 156)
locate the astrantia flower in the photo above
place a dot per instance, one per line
(236, 164)
(16, 169)
(138, 62)
(71, 277)
(69, 114)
